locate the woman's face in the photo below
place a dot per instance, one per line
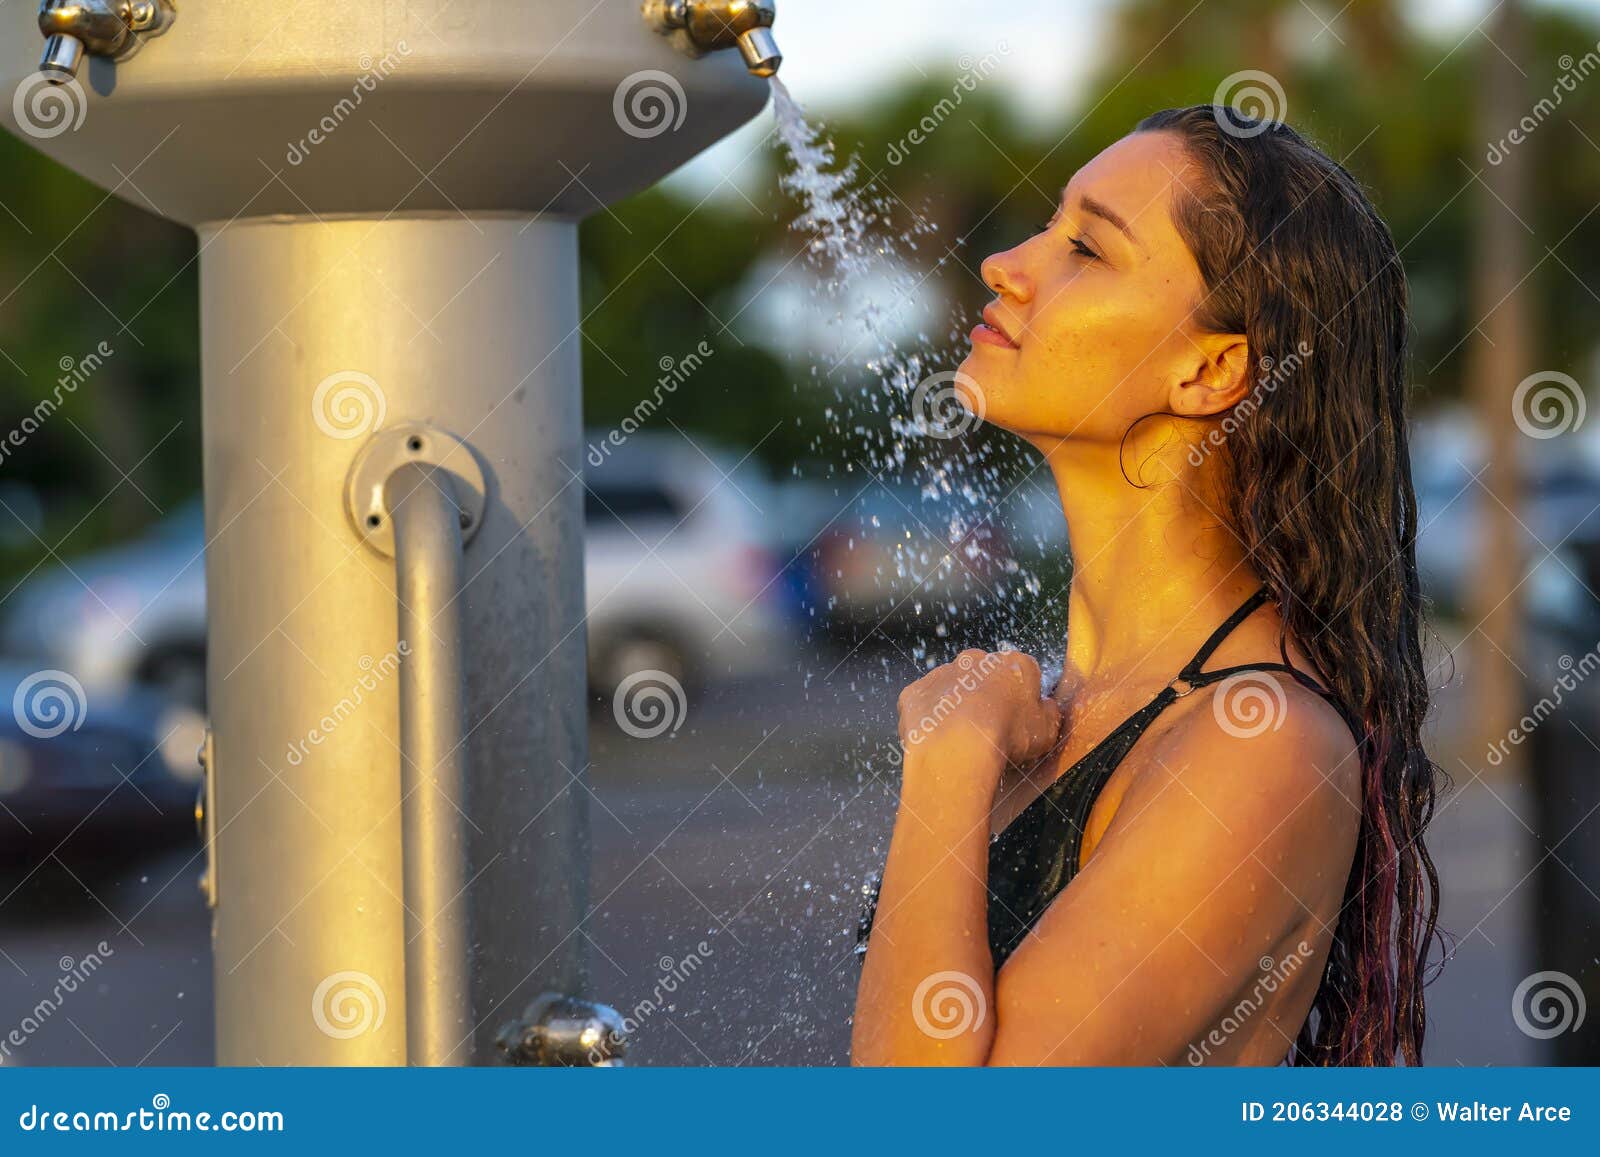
(1099, 309)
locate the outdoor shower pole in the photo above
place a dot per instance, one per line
(317, 338)
(387, 197)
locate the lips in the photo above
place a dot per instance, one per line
(991, 318)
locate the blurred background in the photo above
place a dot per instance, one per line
(772, 540)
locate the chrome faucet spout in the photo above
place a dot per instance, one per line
(702, 26)
(74, 29)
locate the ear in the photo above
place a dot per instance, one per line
(1217, 377)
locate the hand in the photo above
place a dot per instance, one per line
(994, 697)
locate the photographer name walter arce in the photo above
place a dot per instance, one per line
(1479, 1111)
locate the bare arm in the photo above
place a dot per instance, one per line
(928, 967)
(927, 986)
(1219, 850)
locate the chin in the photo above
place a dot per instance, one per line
(981, 395)
(974, 383)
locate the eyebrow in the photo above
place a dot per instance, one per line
(1105, 212)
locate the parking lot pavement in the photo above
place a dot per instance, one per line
(729, 857)
(106, 967)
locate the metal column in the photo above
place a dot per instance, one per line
(315, 334)
(386, 194)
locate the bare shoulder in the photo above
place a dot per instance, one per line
(1264, 750)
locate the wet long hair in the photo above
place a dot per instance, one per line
(1295, 257)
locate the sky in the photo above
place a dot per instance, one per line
(833, 56)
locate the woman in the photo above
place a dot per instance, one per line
(1207, 344)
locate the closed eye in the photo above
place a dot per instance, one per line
(1078, 245)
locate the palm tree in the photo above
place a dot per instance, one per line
(1498, 361)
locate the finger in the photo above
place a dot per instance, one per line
(1041, 729)
(1027, 667)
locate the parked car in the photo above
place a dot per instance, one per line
(94, 775)
(1559, 511)
(680, 572)
(133, 614)
(682, 568)
(889, 557)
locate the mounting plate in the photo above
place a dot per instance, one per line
(395, 446)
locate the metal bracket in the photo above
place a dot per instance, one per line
(558, 1030)
(393, 447)
(205, 816)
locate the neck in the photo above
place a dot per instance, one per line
(1154, 570)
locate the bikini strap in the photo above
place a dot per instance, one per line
(1191, 671)
(1192, 677)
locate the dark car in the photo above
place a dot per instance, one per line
(101, 777)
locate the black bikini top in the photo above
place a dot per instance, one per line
(1033, 860)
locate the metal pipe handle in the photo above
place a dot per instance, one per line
(426, 519)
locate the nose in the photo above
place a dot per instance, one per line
(1002, 273)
